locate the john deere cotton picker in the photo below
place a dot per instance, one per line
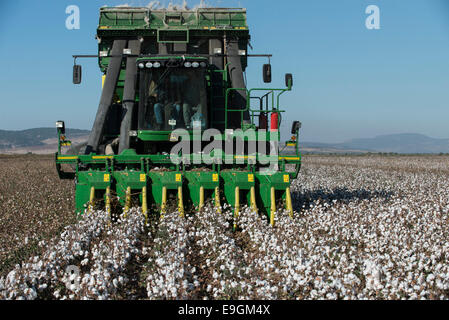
(171, 78)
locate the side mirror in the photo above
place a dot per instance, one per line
(77, 71)
(289, 80)
(267, 73)
(60, 125)
(296, 126)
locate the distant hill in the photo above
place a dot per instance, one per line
(393, 143)
(38, 140)
(44, 140)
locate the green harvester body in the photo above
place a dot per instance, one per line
(144, 170)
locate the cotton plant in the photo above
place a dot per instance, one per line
(364, 228)
(97, 253)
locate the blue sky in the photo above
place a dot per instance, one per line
(349, 82)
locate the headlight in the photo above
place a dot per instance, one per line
(141, 65)
(59, 124)
(149, 65)
(187, 64)
(156, 65)
(195, 64)
(203, 64)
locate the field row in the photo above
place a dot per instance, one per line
(363, 229)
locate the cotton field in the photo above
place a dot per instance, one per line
(365, 227)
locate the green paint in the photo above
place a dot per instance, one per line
(136, 171)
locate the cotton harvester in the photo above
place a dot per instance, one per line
(171, 78)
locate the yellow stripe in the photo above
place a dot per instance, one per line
(253, 199)
(127, 201)
(288, 202)
(164, 202)
(253, 157)
(290, 158)
(92, 198)
(201, 198)
(102, 157)
(144, 204)
(180, 203)
(273, 206)
(236, 206)
(108, 200)
(67, 158)
(217, 199)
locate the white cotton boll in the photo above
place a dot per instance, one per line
(32, 294)
(11, 278)
(43, 286)
(326, 245)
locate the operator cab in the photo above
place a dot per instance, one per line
(172, 93)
